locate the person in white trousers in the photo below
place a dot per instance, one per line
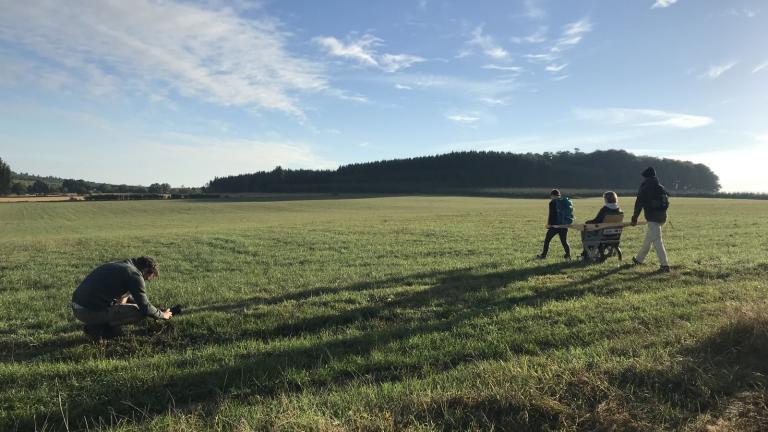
(653, 200)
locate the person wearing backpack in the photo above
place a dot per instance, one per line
(560, 213)
(653, 200)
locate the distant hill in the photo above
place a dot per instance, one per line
(608, 169)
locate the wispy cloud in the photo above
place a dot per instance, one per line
(463, 119)
(715, 71)
(540, 57)
(403, 87)
(471, 89)
(493, 101)
(556, 67)
(663, 3)
(511, 70)
(642, 118)
(572, 34)
(760, 67)
(360, 50)
(363, 50)
(210, 54)
(485, 43)
(350, 97)
(533, 10)
(745, 13)
(539, 36)
(395, 62)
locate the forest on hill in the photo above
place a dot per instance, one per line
(605, 169)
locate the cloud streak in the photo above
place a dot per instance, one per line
(463, 119)
(642, 118)
(663, 4)
(715, 71)
(572, 34)
(539, 36)
(760, 67)
(155, 47)
(485, 44)
(363, 51)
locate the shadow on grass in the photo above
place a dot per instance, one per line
(724, 376)
(318, 351)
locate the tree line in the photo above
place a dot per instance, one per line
(605, 169)
(29, 184)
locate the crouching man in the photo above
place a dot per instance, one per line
(113, 295)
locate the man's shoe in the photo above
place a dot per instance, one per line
(541, 257)
(635, 261)
(567, 257)
(664, 269)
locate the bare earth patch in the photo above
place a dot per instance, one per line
(40, 199)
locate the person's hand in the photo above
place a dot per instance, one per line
(634, 220)
(166, 314)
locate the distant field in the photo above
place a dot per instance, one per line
(401, 313)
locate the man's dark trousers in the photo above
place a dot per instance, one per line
(551, 233)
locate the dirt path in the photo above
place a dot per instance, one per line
(40, 199)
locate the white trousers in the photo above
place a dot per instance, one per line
(653, 237)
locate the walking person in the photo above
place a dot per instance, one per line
(114, 294)
(653, 200)
(560, 213)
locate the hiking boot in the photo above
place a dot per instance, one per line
(664, 269)
(635, 261)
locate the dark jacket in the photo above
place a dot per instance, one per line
(645, 196)
(552, 217)
(605, 211)
(110, 281)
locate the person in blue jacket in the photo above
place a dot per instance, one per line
(552, 232)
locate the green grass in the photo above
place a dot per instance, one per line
(403, 313)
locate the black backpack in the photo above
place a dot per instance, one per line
(659, 199)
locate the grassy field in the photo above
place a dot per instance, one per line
(402, 313)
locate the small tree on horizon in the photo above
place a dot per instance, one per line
(5, 178)
(19, 188)
(160, 188)
(39, 187)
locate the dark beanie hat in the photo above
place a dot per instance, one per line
(649, 172)
(555, 192)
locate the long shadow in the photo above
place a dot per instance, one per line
(452, 299)
(322, 291)
(725, 374)
(450, 305)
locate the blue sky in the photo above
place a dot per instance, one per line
(180, 91)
